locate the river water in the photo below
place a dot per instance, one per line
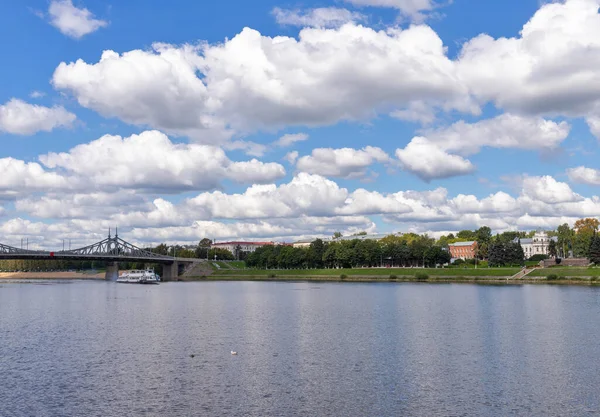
(94, 348)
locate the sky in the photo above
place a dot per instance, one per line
(275, 120)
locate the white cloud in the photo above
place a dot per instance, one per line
(151, 161)
(584, 175)
(417, 111)
(291, 157)
(20, 118)
(72, 21)
(344, 162)
(256, 82)
(504, 131)
(79, 205)
(594, 124)
(319, 17)
(553, 68)
(37, 94)
(306, 206)
(17, 176)
(547, 190)
(412, 8)
(428, 161)
(289, 139)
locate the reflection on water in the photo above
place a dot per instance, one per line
(77, 348)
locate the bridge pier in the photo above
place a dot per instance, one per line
(112, 271)
(170, 272)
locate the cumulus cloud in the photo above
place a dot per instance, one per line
(594, 124)
(547, 190)
(308, 205)
(551, 68)
(80, 205)
(253, 82)
(415, 9)
(319, 17)
(428, 161)
(17, 176)
(37, 94)
(417, 111)
(584, 175)
(72, 21)
(151, 161)
(504, 131)
(343, 163)
(20, 118)
(291, 157)
(290, 139)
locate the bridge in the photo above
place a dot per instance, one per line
(111, 250)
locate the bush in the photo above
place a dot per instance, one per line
(393, 277)
(558, 261)
(343, 276)
(272, 275)
(421, 276)
(552, 277)
(538, 257)
(458, 262)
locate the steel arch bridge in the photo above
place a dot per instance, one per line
(112, 249)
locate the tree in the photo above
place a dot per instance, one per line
(594, 250)
(315, 253)
(161, 249)
(552, 250)
(483, 235)
(467, 235)
(587, 226)
(203, 248)
(585, 229)
(565, 239)
(337, 235)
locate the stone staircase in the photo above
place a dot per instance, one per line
(523, 273)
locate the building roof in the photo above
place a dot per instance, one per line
(363, 237)
(307, 240)
(243, 243)
(463, 243)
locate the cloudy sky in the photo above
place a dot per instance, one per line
(181, 119)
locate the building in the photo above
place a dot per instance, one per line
(537, 245)
(303, 243)
(463, 250)
(240, 246)
(376, 238)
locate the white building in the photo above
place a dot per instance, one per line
(537, 245)
(241, 246)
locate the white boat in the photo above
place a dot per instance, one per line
(139, 277)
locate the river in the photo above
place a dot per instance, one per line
(95, 348)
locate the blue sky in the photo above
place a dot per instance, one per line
(287, 120)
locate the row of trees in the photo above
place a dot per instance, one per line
(394, 251)
(411, 249)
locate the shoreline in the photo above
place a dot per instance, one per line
(51, 275)
(581, 280)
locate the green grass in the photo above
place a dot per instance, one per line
(563, 272)
(383, 272)
(237, 264)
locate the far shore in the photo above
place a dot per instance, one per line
(51, 275)
(580, 280)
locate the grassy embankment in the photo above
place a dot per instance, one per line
(366, 274)
(567, 272)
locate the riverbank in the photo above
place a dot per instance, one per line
(581, 280)
(564, 275)
(51, 275)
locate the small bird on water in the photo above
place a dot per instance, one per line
(192, 355)
(233, 353)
